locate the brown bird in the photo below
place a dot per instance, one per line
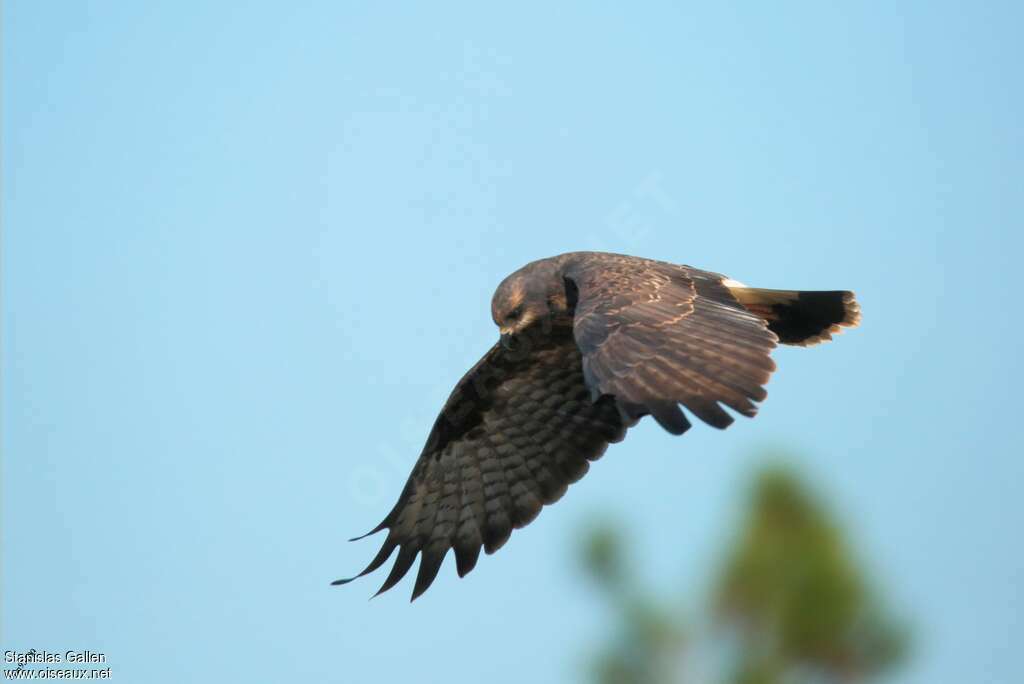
(590, 342)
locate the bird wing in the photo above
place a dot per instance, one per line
(517, 430)
(656, 335)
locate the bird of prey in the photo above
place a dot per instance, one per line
(590, 343)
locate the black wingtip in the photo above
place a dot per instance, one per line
(385, 552)
(419, 590)
(383, 524)
(375, 530)
(403, 562)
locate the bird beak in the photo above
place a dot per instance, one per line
(508, 341)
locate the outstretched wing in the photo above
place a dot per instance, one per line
(656, 335)
(516, 431)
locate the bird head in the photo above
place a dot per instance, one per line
(529, 296)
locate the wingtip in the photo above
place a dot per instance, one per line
(375, 530)
(380, 526)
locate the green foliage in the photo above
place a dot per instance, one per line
(651, 639)
(603, 557)
(649, 648)
(794, 595)
(789, 603)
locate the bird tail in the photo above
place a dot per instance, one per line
(801, 318)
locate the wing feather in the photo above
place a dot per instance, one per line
(516, 431)
(656, 335)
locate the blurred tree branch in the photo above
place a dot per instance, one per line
(651, 638)
(789, 603)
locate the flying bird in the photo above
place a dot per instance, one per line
(590, 342)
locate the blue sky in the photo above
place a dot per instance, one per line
(247, 252)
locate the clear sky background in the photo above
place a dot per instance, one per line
(248, 248)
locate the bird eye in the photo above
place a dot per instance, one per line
(515, 313)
